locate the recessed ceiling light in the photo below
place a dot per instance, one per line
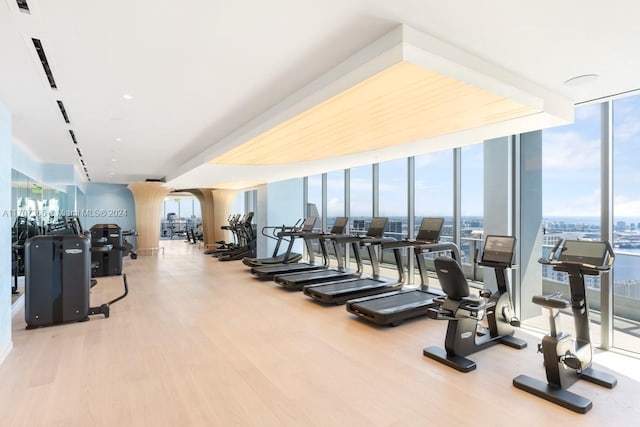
(118, 139)
(113, 159)
(127, 96)
(581, 80)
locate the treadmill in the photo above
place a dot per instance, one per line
(268, 272)
(339, 292)
(287, 256)
(392, 308)
(297, 281)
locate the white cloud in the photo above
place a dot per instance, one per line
(627, 130)
(588, 112)
(569, 150)
(569, 204)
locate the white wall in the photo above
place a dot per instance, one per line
(108, 204)
(5, 233)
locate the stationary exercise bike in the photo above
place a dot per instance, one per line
(465, 334)
(567, 360)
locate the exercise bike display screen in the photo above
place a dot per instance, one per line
(430, 229)
(498, 249)
(584, 252)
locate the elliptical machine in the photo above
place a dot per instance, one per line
(465, 335)
(567, 360)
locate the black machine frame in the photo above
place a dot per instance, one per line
(392, 308)
(465, 334)
(568, 359)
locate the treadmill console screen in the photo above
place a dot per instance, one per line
(584, 252)
(430, 229)
(498, 249)
(308, 224)
(339, 225)
(376, 228)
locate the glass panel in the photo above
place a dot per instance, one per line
(392, 200)
(335, 196)
(571, 203)
(361, 202)
(179, 214)
(471, 206)
(434, 195)
(314, 206)
(314, 199)
(626, 220)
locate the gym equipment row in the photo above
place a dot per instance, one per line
(244, 239)
(474, 322)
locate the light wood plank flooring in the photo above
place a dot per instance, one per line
(199, 342)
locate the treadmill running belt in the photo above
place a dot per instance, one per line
(397, 302)
(349, 286)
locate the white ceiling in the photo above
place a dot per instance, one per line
(200, 70)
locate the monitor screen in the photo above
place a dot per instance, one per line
(339, 225)
(430, 229)
(376, 228)
(498, 249)
(584, 252)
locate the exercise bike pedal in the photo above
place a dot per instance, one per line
(571, 361)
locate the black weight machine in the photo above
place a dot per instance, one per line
(465, 334)
(568, 359)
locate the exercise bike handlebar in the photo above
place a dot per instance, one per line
(555, 258)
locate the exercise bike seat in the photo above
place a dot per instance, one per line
(551, 301)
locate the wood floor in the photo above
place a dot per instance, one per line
(199, 342)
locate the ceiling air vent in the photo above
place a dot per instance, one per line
(23, 6)
(73, 137)
(63, 111)
(78, 151)
(45, 64)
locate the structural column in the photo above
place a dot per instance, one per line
(148, 197)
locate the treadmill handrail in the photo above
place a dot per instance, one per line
(365, 241)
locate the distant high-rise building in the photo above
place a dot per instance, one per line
(312, 210)
(358, 225)
(393, 227)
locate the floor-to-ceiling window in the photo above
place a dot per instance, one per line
(392, 196)
(360, 200)
(314, 199)
(571, 201)
(335, 196)
(434, 189)
(626, 223)
(179, 214)
(392, 202)
(471, 205)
